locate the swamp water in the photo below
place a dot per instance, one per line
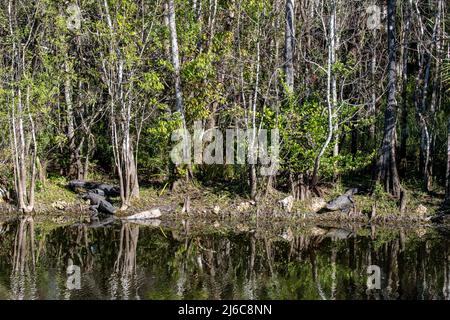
(169, 261)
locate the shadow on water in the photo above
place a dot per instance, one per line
(130, 261)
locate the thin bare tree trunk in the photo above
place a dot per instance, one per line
(404, 114)
(331, 95)
(33, 156)
(434, 95)
(289, 45)
(69, 112)
(387, 173)
(373, 99)
(254, 146)
(426, 115)
(211, 21)
(334, 43)
(120, 90)
(177, 73)
(18, 126)
(175, 58)
(447, 175)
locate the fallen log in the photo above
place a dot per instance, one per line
(145, 215)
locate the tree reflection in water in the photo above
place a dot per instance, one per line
(123, 278)
(23, 277)
(128, 261)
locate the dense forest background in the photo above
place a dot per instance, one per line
(355, 88)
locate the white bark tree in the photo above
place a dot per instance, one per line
(119, 81)
(22, 130)
(289, 45)
(331, 91)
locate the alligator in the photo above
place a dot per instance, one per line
(99, 204)
(343, 203)
(103, 189)
(109, 190)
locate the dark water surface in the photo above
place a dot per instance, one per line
(129, 261)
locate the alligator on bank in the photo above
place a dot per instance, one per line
(98, 195)
(102, 189)
(342, 203)
(99, 204)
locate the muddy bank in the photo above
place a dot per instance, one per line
(262, 226)
(229, 217)
(60, 205)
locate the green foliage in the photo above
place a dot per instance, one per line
(302, 130)
(126, 61)
(446, 73)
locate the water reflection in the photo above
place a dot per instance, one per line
(123, 281)
(129, 261)
(23, 278)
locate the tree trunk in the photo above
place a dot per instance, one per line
(24, 158)
(434, 95)
(426, 115)
(354, 136)
(374, 88)
(175, 58)
(289, 43)
(447, 175)
(387, 173)
(254, 142)
(120, 91)
(331, 93)
(178, 89)
(70, 117)
(333, 45)
(211, 21)
(404, 114)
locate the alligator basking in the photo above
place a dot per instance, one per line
(103, 189)
(342, 203)
(99, 204)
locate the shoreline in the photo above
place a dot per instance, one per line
(55, 202)
(395, 220)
